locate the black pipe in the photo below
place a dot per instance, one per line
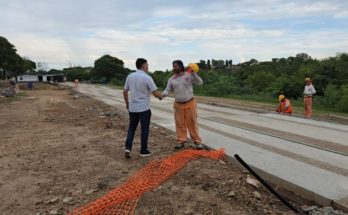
(265, 184)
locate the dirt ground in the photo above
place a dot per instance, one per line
(59, 150)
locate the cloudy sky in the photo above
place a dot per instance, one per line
(76, 32)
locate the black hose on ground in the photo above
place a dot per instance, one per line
(265, 184)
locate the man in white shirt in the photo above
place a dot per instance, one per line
(140, 86)
(308, 93)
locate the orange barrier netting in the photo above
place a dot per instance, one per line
(123, 200)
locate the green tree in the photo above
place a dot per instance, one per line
(202, 64)
(341, 69)
(8, 54)
(161, 78)
(280, 86)
(208, 64)
(28, 65)
(11, 64)
(343, 103)
(218, 64)
(109, 67)
(266, 80)
(78, 72)
(331, 96)
(303, 57)
(55, 71)
(259, 81)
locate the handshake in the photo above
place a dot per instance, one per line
(160, 95)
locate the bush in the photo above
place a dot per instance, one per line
(217, 84)
(260, 80)
(331, 96)
(116, 82)
(79, 73)
(343, 103)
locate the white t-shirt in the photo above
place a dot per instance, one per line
(309, 90)
(140, 86)
(181, 86)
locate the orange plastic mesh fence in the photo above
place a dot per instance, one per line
(123, 200)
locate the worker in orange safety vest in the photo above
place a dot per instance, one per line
(285, 106)
(76, 82)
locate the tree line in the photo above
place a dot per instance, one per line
(265, 81)
(106, 69)
(11, 63)
(261, 80)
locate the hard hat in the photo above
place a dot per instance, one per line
(194, 67)
(308, 79)
(281, 97)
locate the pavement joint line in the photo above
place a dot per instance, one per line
(317, 197)
(297, 142)
(292, 155)
(252, 130)
(313, 162)
(300, 123)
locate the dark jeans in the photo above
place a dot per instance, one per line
(134, 118)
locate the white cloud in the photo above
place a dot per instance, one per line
(79, 32)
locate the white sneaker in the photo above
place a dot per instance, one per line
(127, 153)
(199, 146)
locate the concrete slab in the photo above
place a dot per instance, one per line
(316, 174)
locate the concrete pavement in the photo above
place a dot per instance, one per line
(305, 156)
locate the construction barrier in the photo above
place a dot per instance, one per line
(123, 200)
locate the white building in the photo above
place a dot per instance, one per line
(27, 78)
(41, 78)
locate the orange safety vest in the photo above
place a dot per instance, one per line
(285, 107)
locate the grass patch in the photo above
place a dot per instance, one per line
(271, 104)
(17, 97)
(265, 102)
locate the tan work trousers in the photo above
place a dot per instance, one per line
(186, 119)
(308, 106)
